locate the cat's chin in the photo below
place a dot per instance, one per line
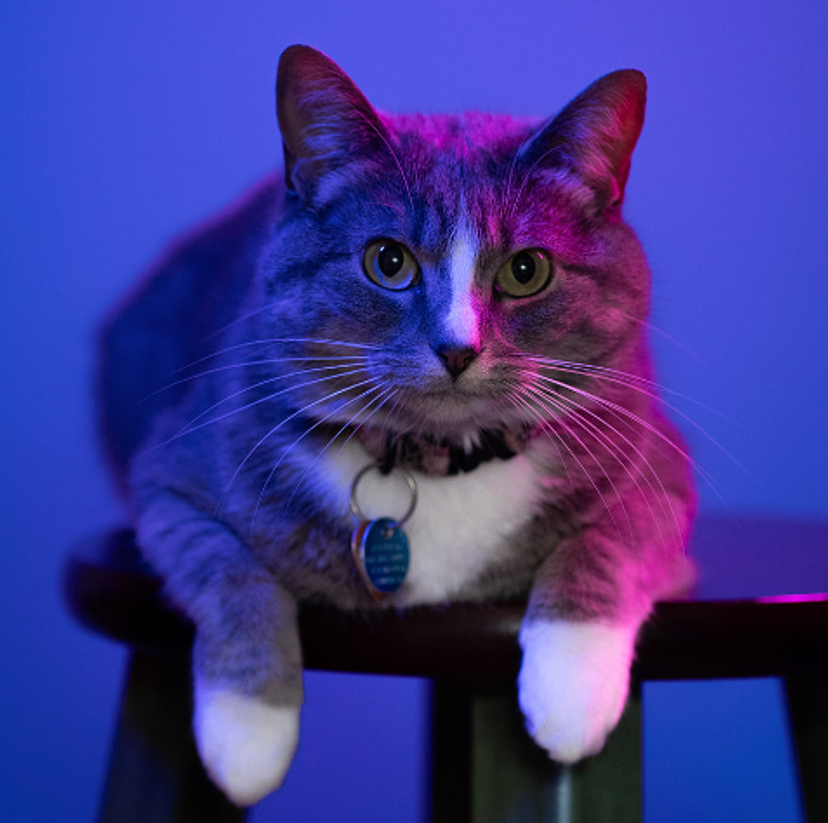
(456, 420)
(453, 425)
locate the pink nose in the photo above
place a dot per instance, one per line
(457, 360)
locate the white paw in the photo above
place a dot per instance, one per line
(246, 745)
(573, 684)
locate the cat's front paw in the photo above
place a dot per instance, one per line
(573, 684)
(246, 745)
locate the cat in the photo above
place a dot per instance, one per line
(432, 319)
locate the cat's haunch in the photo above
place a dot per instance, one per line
(411, 368)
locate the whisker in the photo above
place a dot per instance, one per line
(276, 428)
(514, 397)
(383, 397)
(189, 428)
(578, 412)
(352, 359)
(623, 413)
(558, 441)
(236, 321)
(657, 390)
(392, 153)
(268, 341)
(547, 425)
(513, 165)
(388, 414)
(601, 372)
(648, 324)
(561, 419)
(632, 382)
(281, 392)
(296, 442)
(525, 180)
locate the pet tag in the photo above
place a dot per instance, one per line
(381, 553)
(380, 547)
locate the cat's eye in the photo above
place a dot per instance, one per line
(525, 273)
(391, 265)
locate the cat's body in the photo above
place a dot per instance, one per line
(373, 291)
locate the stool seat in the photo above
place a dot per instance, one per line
(466, 649)
(111, 590)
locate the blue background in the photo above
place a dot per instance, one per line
(124, 123)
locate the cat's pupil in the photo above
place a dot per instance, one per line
(390, 259)
(523, 267)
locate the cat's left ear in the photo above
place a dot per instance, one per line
(595, 135)
(325, 120)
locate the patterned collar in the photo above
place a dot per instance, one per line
(441, 458)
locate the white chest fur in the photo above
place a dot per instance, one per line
(459, 525)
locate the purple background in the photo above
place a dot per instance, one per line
(124, 123)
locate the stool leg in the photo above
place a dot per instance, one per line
(451, 746)
(807, 698)
(607, 788)
(486, 769)
(155, 773)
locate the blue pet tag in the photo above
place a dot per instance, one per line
(380, 547)
(381, 553)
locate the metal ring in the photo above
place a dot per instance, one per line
(412, 487)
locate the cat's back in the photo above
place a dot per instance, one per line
(173, 316)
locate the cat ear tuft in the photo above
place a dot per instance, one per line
(324, 118)
(596, 134)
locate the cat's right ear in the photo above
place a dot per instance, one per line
(325, 120)
(595, 135)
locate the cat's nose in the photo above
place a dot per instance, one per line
(457, 360)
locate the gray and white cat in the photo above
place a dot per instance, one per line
(457, 302)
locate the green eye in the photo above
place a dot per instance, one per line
(525, 273)
(391, 265)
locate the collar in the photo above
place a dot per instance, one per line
(441, 457)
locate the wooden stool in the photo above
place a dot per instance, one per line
(484, 766)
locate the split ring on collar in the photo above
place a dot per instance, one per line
(412, 487)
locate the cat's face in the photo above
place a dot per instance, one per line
(430, 276)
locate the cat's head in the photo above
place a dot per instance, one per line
(432, 268)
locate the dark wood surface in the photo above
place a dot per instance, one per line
(110, 590)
